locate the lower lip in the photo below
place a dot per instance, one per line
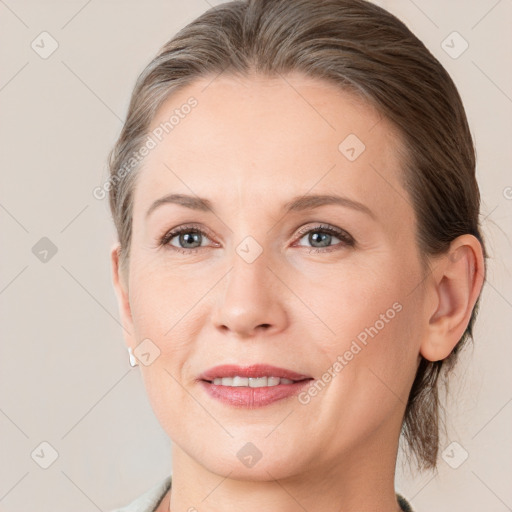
(246, 397)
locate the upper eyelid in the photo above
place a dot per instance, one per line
(322, 226)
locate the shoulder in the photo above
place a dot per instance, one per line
(148, 501)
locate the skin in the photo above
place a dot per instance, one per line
(250, 146)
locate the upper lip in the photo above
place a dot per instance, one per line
(253, 370)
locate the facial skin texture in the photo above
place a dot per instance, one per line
(250, 146)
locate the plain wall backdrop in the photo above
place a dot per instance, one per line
(68, 398)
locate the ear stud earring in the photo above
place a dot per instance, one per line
(133, 360)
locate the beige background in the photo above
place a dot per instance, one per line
(64, 373)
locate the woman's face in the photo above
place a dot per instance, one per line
(270, 275)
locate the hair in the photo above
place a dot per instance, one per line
(364, 50)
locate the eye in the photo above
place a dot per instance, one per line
(321, 237)
(185, 239)
(189, 239)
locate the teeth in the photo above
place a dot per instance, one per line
(252, 382)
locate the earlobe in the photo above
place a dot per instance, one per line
(455, 285)
(121, 291)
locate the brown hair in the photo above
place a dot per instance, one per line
(363, 49)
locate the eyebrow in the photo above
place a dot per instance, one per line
(308, 202)
(299, 203)
(194, 203)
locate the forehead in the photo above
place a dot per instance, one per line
(271, 138)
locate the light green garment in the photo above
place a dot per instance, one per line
(149, 501)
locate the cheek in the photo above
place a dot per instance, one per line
(161, 313)
(351, 298)
(371, 318)
(163, 296)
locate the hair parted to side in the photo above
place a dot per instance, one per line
(364, 50)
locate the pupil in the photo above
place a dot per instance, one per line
(190, 238)
(325, 237)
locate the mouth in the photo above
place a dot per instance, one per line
(252, 386)
(252, 382)
(255, 375)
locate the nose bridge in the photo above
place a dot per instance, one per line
(250, 299)
(249, 268)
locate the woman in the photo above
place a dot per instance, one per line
(299, 256)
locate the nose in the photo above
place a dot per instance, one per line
(251, 301)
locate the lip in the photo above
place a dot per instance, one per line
(254, 370)
(251, 398)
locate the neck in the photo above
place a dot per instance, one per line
(362, 479)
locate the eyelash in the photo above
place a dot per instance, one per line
(345, 237)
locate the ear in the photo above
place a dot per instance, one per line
(120, 282)
(457, 279)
